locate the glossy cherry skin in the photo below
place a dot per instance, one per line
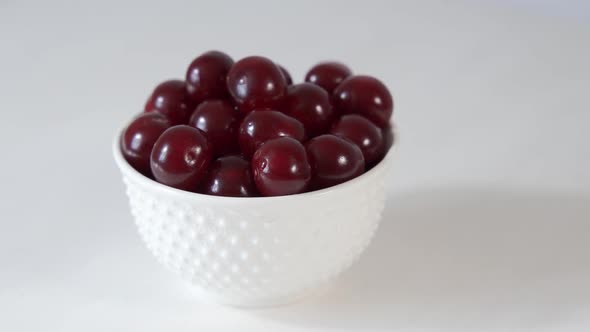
(171, 99)
(280, 167)
(328, 75)
(333, 160)
(309, 104)
(206, 76)
(139, 138)
(364, 95)
(256, 82)
(229, 176)
(181, 158)
(286, 75)
(219, 121)
(362, 132)
(262, 125)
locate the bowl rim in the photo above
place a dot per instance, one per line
(129, 171)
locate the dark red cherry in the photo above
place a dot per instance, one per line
(256, 82)
(362, 132)
(333, 160)
(139, 138)
(309, 104)
(328, 75)
(229, 176)
(206, 76)
(286, 75)
(181, 157)
(219, 121)
(364, 95)
(280, 167)
(171, 99)
(262, 125)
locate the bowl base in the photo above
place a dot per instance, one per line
(261, 303)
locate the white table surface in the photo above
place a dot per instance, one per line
(487, 225)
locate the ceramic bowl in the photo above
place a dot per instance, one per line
(256, 251)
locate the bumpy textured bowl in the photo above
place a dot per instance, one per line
(256, 251)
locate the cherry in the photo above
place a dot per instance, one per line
(280, 167)
(256, 82)
(171, 99)
(309, 104)
(219, 121)
(363, 133)
(230, 176)
(139, 138)
(388, 139)
(261, 125)
(206, 75)
(180, 157)
(328, 75)
(333, 160)
(364, 95)
(286, 75)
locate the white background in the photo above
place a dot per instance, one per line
(487, 225)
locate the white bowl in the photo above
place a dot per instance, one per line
(256, 251)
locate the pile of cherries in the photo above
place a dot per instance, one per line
(244, 129)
